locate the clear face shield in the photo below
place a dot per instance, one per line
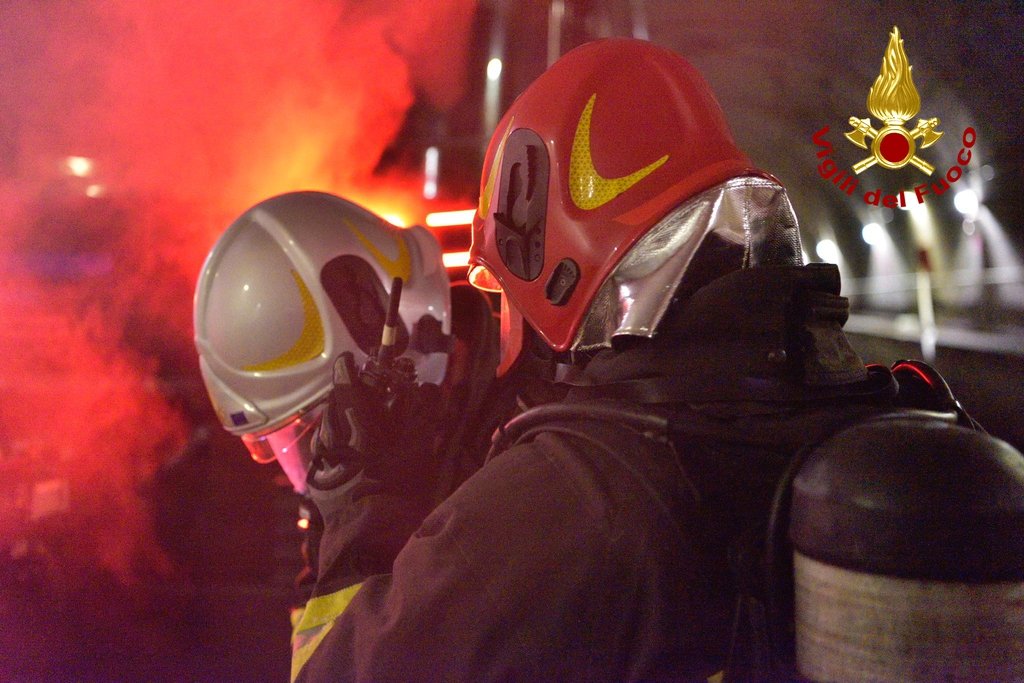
(289, 444)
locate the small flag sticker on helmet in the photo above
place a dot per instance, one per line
(238, 419)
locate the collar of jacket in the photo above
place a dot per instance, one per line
(770, 333)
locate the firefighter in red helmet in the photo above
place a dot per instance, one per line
(586, 167)
(647, 265)
(628, 235)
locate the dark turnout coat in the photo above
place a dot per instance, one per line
(596, 550)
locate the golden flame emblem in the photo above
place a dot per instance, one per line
(893, 99)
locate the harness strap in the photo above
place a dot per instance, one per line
(645, 422)
(669, 389)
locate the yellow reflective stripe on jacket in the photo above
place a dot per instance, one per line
(315, 623)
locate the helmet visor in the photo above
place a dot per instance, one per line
(289, 444)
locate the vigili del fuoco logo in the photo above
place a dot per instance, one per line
(893, 100)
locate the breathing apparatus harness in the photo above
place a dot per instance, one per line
(763, 637)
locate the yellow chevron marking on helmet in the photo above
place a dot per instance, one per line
(589, 189)
(400, 266)
(310, 343)
(492, 176)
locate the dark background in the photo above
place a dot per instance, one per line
(139, 542)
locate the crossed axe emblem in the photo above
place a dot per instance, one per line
(925, 131)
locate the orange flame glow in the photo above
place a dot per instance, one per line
(132, 134)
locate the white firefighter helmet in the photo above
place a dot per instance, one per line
(292, 283)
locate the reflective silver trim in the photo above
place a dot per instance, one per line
(751, 211)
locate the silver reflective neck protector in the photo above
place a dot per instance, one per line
(751, 211)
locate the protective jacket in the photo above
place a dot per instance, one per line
(595, 549)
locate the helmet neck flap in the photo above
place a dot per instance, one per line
(752, 212)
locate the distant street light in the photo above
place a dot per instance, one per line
(828, 251)
(873, 234)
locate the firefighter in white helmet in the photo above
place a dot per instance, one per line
(301, 280)
(292, 283)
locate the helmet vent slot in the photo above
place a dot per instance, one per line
(522, 204)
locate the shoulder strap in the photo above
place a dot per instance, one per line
(712, 387)
(615, 421)
(644, 421)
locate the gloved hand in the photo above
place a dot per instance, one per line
(384, 429)
(374, 467)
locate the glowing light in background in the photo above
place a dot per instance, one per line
(441, 219)
(431, 162)
(1007, 268)
(453, 256)
(873, 234)
(79, 166)
(886, 284)
(455, 259)
(492, 84)
(214, 117)
(395, 219)
(494, 69)
(967, 284)
(828, 251)
(94, 191)
(966, 202)
(918, 210)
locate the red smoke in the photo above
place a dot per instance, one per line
(86, 416)
(190, 113)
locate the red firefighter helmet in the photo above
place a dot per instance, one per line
(586, 161)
